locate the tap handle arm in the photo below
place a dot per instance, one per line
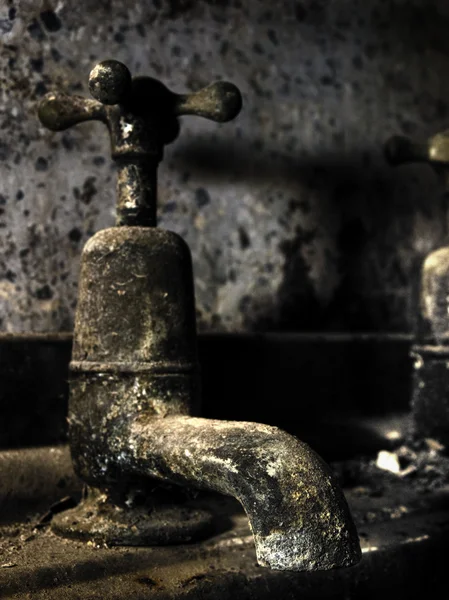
(435, 151)
(107, 85)
(59, 111)
(219, 102)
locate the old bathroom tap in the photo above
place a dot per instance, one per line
(134, 390)
(430, 394)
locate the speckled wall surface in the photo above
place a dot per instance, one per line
(293, 218)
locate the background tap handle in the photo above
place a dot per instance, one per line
(435, 151)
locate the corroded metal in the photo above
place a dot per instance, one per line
(141, 116)
(135, 383)
(297, 513)
(134, 389)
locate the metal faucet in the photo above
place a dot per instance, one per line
(135, 375)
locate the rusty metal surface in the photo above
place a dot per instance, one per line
(297, 512)
(430, 406)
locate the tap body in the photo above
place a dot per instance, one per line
(135, 385)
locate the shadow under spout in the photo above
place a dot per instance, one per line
(297, 512)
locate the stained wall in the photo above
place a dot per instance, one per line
(294, 219)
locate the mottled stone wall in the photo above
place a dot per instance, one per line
(293, 218)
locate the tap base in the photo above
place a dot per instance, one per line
(98, 519)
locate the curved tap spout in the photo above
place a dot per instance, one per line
(297, 512)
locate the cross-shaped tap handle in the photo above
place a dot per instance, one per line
(435, 151)
(142, 117)
(140, 112)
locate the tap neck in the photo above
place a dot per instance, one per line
(136, 191)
